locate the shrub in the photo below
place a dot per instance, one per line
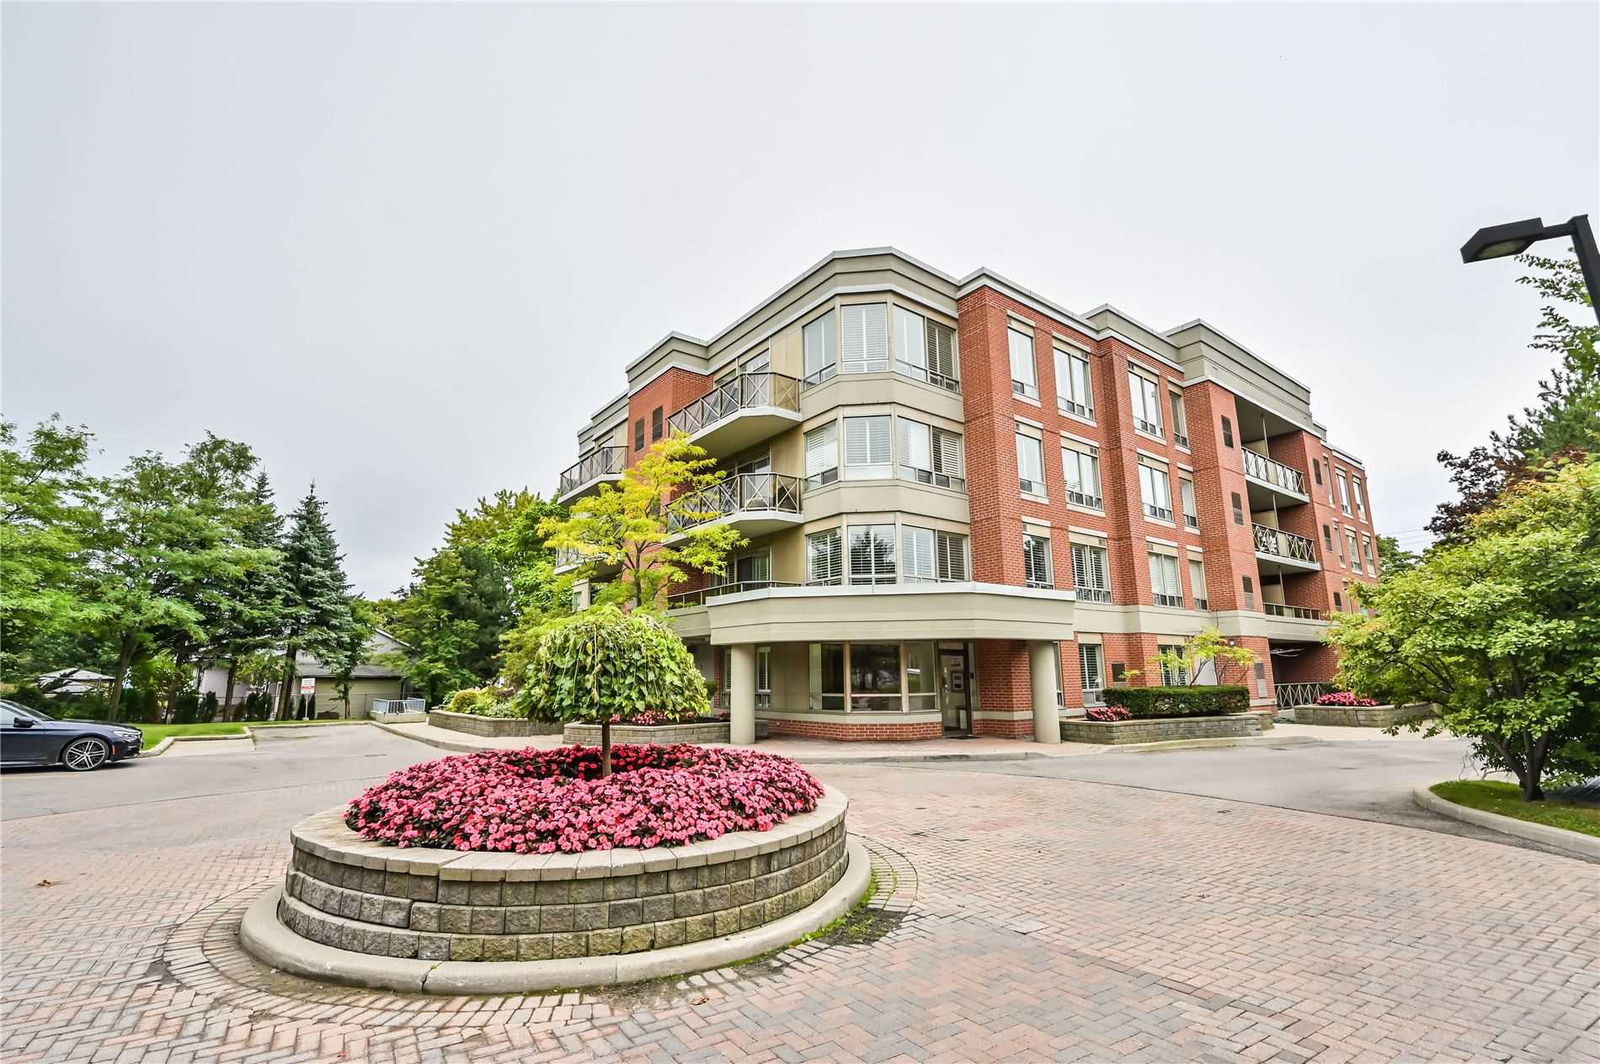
(1203, 701)
(604, 662)
(1107, 713)
(485, 702)
(542, 801)
(1345, 698)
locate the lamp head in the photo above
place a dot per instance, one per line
(1498, 241)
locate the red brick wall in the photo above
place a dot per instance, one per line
(1005, 685)
(672, 391)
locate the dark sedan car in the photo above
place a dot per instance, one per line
(33, 737)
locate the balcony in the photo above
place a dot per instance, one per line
(754, 503)
(1268, 476)
(680, 600)
(1301, 613)
(1282, 551)
(604, 465)
(740, 412)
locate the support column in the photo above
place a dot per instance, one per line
(742, 694)
(1042, 670)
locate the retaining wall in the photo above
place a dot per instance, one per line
(1362, 716)
(1117, 732)
(490, 727)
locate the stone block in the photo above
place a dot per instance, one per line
(623, 913)
(656, 908)
(453, 892)
(552, 892)
(484, 893)
(682, 879)
(725, 921)
(500, 948)
(621, 888)
(466, 948)
(605, 942)
(421, 888)
(689, 903)
(433, 947)
(487, 921)
(521, 892)
(752, 916)
(402, 944)
(717, 898)
(670, 933)
(555, 918)
(652, 883)
(697, 928)
(588, 917)
(522, 920)
(455, 919)
(637, 939)
(535, 947)
(588, 890)
(424, 917)
(566, 946)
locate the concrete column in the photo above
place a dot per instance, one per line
(1042, 670)
(742, 694)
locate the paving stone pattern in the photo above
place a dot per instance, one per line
(1020, 919)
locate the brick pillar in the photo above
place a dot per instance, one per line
(1005, 690)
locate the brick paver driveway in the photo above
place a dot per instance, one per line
(1020, 918)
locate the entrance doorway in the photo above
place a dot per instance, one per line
(955, 690)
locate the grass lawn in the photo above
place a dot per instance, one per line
(154, 733)
(1504, 799)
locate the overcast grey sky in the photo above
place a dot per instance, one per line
(406, 251)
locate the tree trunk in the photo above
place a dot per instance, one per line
(173, 688)
(605, 747)
(282, 712)
(227, 692)
(124, 657)
(1538, 753)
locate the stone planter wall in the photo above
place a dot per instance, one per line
(490, 727)
(1118, 732)
(706, 731)
(346, 892)
(1362, 716)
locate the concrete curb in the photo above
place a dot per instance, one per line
(442, 744)
(249, 733)
(266, 939)
(1200, 744)
(1561, 839)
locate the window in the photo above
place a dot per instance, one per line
(1180, 423)
(1261, 679)
(925, 349)
(638, 435)
(827, 676)
(822, 349)
(1249, 592)
(1316, 471)
(1036, 560)
(822, 454)
(1156, 490)
(1146, 403)
(1238, 508)
(1331, 498)
(1355, 551)
(1227, 433)
(866, 448)
(1338, 602)
(1092, 667)
(1119, 673)
(1055, 650)
(1024, 374)
(1172, 675)
(1344, 490)
(1361, 503)
(1191, 517)
(763, 677)
(1082, 470)
(1327, 539)
(950, 556)
(929, 554)
(824, 558)
(1372, 561)
(1164, 580)
(875, 677)
(872, 554)
(1074, 395)
(930, 455)
(1197, 584)
(655, 423)
(1030, 464)
(760, 362)
(922, 676)
(753, 568)
(864, 339)
(1091, 573)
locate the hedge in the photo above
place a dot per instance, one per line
(1207, 701)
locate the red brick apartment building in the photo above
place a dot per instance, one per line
(970, 510)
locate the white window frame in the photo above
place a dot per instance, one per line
(872, 469)
(864, 338)
(820, 339)
(929, 454)
(1074, 464)
(875, 575)
(1031, 446)
(1197, 584)
(1165, 584)
(1180, 420)
(825, 577)
(1029, 577)
(763, 677)
(822, 455)
(1024, 364)
(1146, 395)
(1191, 514)
(1344, 490)
(1092, 691)
(1074, 383)
(1091, 572)
(1156, 481)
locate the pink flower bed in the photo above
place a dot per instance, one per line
(1346, 698)
(543, 801)
(1107, 713)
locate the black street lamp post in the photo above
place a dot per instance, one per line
(1513, 238)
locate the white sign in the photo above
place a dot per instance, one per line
(308, 685)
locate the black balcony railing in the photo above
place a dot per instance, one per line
(605, 462)
(743, 392)
(1281, 544)
(1274, 472)
(1301, 694)
(1304, 613)
(742, 493)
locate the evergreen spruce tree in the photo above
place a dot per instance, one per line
(256, 614)
(317, 607)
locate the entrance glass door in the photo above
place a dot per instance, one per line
(955, 694)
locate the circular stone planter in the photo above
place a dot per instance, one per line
(489, 727)
(700, 731)
(451, 921)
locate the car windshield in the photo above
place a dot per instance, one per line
(27, 711)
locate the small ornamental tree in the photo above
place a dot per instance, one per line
(602, 662)
(1209, 645)
(654, 526)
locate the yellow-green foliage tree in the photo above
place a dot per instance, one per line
(1209, 645)
(652, 526)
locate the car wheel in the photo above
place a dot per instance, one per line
(85, 755)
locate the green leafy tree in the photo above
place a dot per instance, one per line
(1209, 646)
(48, 506)
(1501, 629)
(252, 618)
(1566, 418)
(1393, 558)
(352, 649)
(653, 526)
(602, 662)
(317, 609)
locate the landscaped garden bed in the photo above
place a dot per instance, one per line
(491, 727)
(1166, 714)
(1345, 709)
